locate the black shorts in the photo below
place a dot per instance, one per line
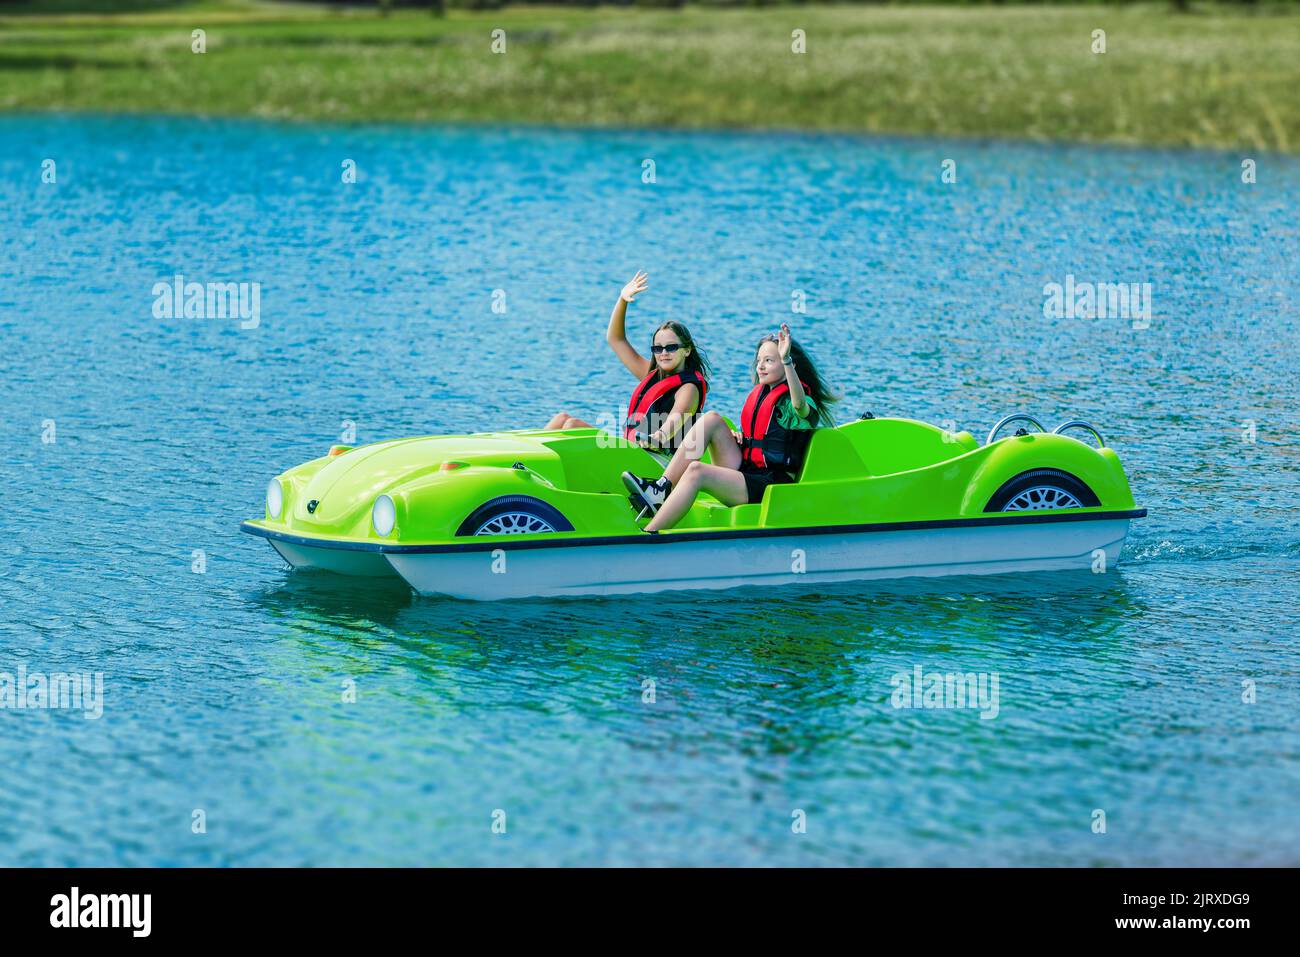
(758, 479)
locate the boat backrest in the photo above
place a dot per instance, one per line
(886, 446)
(879, 447)
(831, 455)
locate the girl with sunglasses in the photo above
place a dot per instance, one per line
(789, 400)
(672, 384)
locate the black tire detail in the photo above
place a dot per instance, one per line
(514, 503)
(1050, 477)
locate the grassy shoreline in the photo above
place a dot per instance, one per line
(1219, 79)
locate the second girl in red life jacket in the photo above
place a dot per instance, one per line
(788, 401)
(673, 382)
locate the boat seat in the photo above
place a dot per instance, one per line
(831, 455)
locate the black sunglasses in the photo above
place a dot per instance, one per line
(670, 348)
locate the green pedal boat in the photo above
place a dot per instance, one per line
(519, 514)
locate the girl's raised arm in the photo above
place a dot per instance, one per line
(798, 401)
(616, 335)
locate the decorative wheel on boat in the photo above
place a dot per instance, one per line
(515, 523)
(1042, 496)
(1042, 489)
(514, 515)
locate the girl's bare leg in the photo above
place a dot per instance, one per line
(562, 421)
(725, 484)
(709, 432)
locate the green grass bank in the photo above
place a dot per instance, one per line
(1221, 76)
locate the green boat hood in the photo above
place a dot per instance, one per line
(345, 486)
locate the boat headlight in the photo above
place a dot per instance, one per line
(274, 499)
(383, 516)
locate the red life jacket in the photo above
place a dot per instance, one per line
(767, 444)
(655, 397)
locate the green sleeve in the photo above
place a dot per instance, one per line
(789, 418)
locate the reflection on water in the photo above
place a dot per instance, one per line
(322, 720)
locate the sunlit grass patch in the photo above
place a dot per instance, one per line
(1219, 78)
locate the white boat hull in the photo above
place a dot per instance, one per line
(368, 564)
(684, 562)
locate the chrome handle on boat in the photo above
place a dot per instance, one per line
(1017, 417)
(1080, 424)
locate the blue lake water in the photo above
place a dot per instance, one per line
(1120, 692)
